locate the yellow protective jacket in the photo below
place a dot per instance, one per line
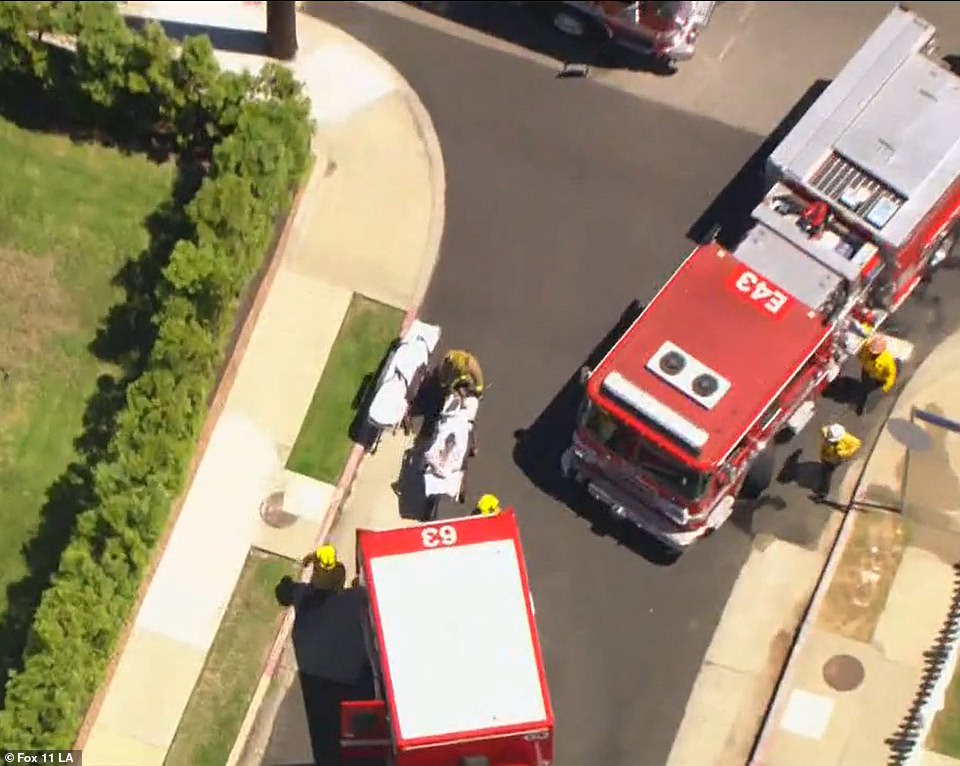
(835, 453)
(459, 366)
(329, 580)
(881, 367)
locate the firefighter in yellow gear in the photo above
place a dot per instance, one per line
(488, 505)
(329, 574)
(836, 447)
(460, 369)
(879, 370)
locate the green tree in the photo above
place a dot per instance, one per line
(104, 45)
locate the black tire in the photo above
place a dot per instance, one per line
(950, 245)
(759, 476)
(577, 25)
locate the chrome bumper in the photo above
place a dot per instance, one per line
(650, 520)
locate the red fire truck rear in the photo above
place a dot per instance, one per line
(678, 419)
(452, 638)
(666, 30)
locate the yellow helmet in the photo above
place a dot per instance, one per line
(488, 505)
(327, 556)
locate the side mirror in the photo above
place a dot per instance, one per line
(584, 374)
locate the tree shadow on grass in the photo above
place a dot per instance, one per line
(127, 333)
(69, 496)
(125, 339)
(61, 109)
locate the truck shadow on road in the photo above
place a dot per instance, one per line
(538, 449)
(530, 27)
(328, 644)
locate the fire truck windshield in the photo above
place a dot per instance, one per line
(626, 443)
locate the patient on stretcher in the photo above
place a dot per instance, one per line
(446, 457)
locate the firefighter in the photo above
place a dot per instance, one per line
(879, 370)
(329, 574)
(488, 505)
(460, 370)
(837, 446)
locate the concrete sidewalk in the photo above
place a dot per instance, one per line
(860, 669)
(368, 221)
(752, 640)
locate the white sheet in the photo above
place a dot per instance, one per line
(444, 475)
(413, 353)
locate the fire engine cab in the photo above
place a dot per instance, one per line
(452, 639)
(679, 418)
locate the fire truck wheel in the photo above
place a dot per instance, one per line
(569, 23)
(759, 476)
(947, 250)
(575, 24)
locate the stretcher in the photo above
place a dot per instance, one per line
(445, 459)
(400, 379)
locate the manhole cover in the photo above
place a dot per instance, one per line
(843, 672)
(272, 513)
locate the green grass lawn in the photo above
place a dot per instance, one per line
(70, 217)
(945, 733)
(323, 443)
(212, 719)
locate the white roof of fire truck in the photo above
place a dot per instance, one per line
(882, 143)
(713, 351)
(455, 630)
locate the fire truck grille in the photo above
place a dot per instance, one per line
(858, 191)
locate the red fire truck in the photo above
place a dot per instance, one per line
(680, 416)
(452, 638)
(665, 30)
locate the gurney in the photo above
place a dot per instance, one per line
(445, 460)
(400, 379)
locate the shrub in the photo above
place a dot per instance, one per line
(252, 136)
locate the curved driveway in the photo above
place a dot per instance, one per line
(567, 200)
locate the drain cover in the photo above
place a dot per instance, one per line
(272, 513)
(843, 672)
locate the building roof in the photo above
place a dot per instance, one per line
(747, 332)
(882, 141)
(454, 621)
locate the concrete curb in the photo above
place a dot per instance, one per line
(438, 189)
(217, 404)
(432, 150)
(337, 500)
(430, 256)
(784, 682)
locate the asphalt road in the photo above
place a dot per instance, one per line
(567, 200)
